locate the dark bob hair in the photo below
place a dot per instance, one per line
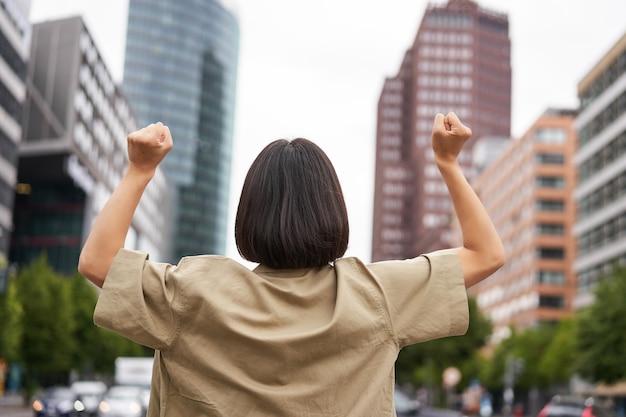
(291, 212)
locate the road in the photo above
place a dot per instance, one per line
(15, 411)
(439, 412)
(12, 411)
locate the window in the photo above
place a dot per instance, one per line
(549, 205)
(550, 158)
(550, 253)
(553, 229)
(550, 182)
(551, 301)
(552, 135)
(551, 277)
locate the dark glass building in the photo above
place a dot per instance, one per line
(181, 68)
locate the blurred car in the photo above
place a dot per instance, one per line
(123, 401)
(90, 393)
(58, 402)
(405, 405)
(564, 406)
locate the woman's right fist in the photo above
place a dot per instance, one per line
(148, 146)
(448, 136)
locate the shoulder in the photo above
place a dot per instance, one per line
(209, 264)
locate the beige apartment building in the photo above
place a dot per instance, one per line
(527, 190)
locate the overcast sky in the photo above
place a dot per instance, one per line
(315, 69)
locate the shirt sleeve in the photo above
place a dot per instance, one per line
(425, 296)
(138, 300)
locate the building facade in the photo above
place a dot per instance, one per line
(181, 69)
(459, 61)
(14, 49)
(528, 193)
(601, 160)
(73, 152)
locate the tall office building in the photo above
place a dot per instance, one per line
(181, 68)
(601, 161)
(14, 48)
(528, 193)
(459, 61)
(73, 152)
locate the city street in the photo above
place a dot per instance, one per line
(13, 411)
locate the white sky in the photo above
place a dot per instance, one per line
(315, 69)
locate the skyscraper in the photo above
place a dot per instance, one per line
(180, 68)
(601, 160)
(14, 48)
(459, 61)
(73, 152)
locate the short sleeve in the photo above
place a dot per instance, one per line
(425, 296)
(138, 300)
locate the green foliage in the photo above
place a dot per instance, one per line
(48, 322)
(558, 363)
(47, 326)
(601, 331)
(424, 363)
(546, 353)
(11, 314)
(492, 374)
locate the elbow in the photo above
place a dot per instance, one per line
(89, 270)
(497, 259)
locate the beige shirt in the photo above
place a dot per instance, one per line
(311, 342)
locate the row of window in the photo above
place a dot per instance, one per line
(602, 235)
(11, 57)
(451, 67)
(549, 253)
(602, 196)
(604, 81)
(551, 158)
(6, 194)
(604, 157)
(444, 96)
(550, 205)
(588, 278)
(451, 81)
(550, 182)
(447, 37)
(453, 20)
(10, 104)
(64, 258)
(550, 135)
(8, 148)
(602, 120)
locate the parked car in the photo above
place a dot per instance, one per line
(565, 406)
(405, 405)
(58, 402)
(90, 393)
(123, 401)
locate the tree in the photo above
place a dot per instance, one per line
(424, 363)
(558, 362)
(48, 323)
(601, 332)
(11, 314)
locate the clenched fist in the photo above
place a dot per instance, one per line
(448, 137)
(148, 146)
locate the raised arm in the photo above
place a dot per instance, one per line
(482, 252)
(146, 149)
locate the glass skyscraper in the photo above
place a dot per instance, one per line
(181, 69)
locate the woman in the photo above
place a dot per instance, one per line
(306, 333)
